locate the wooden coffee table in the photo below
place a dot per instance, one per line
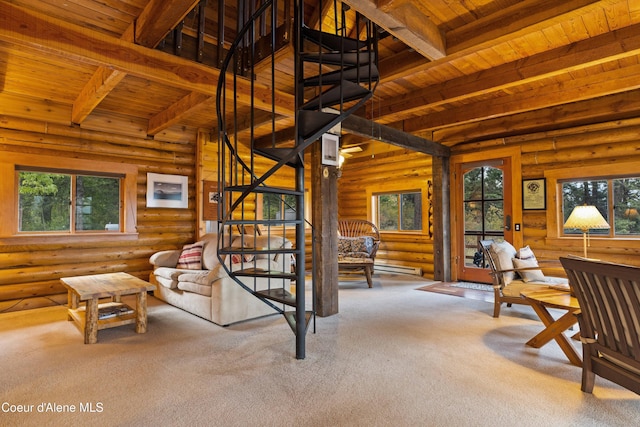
(540, 301)
(99, 286)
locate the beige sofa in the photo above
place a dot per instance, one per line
(209, 292)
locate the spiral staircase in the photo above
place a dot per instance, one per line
(334, 76)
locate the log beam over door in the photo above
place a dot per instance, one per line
(441, 189)
(375, 131)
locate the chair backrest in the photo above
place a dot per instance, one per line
(609, 297)
(484, 246)
(358, 228)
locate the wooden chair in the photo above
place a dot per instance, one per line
(354, 231)
(609, 319)
(508, 290)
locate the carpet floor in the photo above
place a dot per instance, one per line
(392, 356)
(478, 291)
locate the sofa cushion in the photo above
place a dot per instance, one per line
(166, 283)
(528, 275)
(196, 288)
(362, 245)
(344, 245)
(503, 254)
(165, 258)
(210, 251)
(168, 273)
(201, 277)
(517, 286)
(191, 257)
(168, 277)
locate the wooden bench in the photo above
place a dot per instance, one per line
(358, 242)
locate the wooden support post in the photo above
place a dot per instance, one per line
(324, 187)
(441, 223)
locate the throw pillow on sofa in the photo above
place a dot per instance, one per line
(191, 257)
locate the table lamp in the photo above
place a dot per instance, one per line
(585, 218)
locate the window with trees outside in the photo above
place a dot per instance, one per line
(52, 201)
(281, 206)
(278, 206)
(401, 211)
(617, 199)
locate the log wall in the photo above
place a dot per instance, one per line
(30, 271)
(597, 146)
(391, 171)
(602, 146)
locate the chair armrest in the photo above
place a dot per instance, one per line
(374, 251)
(165, 258)
(542, 265)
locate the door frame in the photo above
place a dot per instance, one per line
(456, 200)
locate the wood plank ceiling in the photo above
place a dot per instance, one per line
(452, 72)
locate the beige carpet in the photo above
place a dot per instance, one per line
(470, 290)
(394, 356)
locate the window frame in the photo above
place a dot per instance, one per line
(259, 211)
(373, 208)
(554, 215)
(11, 163)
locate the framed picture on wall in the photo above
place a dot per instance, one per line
(167, 191)
(534, 194)
(212, 199)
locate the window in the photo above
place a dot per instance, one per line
(398, 211)
(88, 200)
(64, 202)
(617, 199)
(278, 206)
(281, 206)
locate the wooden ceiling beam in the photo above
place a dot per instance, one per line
(377, 132)
(51, 36)
(395, 66)
(158, 18)
(523, 17)
(552, 93)
(147, 29)
(176, 112)
(470, 38)
(612, 107)
(408, 23)
(365, 130)
(613, 46)
(101, 83)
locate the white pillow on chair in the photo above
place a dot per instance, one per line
(503, 254)
(529, 275)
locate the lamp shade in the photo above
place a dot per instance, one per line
(585, 218)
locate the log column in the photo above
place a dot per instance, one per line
(324, 187)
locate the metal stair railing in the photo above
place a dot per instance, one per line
(345, 79)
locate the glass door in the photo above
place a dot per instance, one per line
(485, 213)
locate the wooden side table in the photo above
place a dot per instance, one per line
(111, 285)
(540, 301)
